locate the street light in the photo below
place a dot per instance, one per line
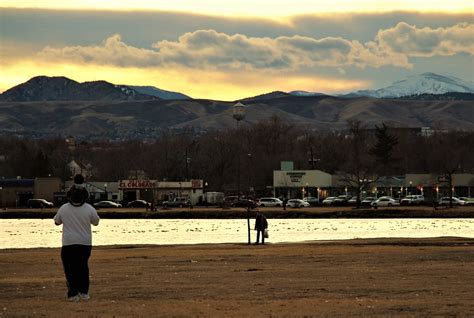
(105, 190)
(238, 112)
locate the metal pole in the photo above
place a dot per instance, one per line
(187, 162)
(238, 161)
(248, 223)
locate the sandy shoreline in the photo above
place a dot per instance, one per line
(396, 277)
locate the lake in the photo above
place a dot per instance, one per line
(28, 233)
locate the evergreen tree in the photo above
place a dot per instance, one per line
(384, 145)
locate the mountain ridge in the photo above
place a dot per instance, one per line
(44, 88)
(134, 118)
(146, 119)
(426, 83)
(158, 92)
(60, 88)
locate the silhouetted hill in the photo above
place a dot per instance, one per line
(44, 88)
(266, 96)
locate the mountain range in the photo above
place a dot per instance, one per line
(427, 83)
(60, 88)
(57, 106)
(421, 84)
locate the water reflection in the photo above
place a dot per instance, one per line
(27, 233)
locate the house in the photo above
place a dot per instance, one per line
(79, 168)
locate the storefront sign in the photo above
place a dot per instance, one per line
(138, 184)
(196, 184)
(296, 176)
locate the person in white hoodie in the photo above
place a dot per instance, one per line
(76, 216)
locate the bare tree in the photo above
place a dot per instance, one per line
(358, 169)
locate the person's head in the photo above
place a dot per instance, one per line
(77, 194)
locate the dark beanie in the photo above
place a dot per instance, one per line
(78, 179)
(77, 194)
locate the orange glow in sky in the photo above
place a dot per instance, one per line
(262, 8)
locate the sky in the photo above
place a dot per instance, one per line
(233, 49)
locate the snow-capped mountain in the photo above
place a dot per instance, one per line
(305, 93)
(157, 92)
(426, 83)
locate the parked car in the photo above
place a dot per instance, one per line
(263, 202)
(297, 203)
(341, 200)
(313, 201)
(139, 204)
(245, 202)
(107, 204)
(230, 200)
(352, 201)
(329, 200)
(39, 203)
(385, 201)
(367, 201)
(412, 199)
(469, 201)
(447, 200)
(177, 202)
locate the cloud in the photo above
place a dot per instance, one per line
(212, 50)
(426, 42)
(112, 51)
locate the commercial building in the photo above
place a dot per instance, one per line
(17, 192)
(159, 191)
(290, 183)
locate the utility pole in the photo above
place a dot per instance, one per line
(188, 160)
(312, 160)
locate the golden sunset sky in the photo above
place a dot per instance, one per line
(234, 49)
(260, 8)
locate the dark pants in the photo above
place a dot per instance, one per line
(75, 261)
(258, 236)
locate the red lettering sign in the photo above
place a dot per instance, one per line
(196, 184)
(138, 184)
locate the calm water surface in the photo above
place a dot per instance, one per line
(26, 233)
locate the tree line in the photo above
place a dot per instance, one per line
(245, 157)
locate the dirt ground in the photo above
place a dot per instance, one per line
(383, 277)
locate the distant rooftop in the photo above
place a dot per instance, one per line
(11, 183)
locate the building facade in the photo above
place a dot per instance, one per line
(159, 191)
(316, 183)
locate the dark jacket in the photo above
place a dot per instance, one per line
(261, 222)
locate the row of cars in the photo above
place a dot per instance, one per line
(234, 201)
(389, 201)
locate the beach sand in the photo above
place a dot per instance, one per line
(382, 277)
